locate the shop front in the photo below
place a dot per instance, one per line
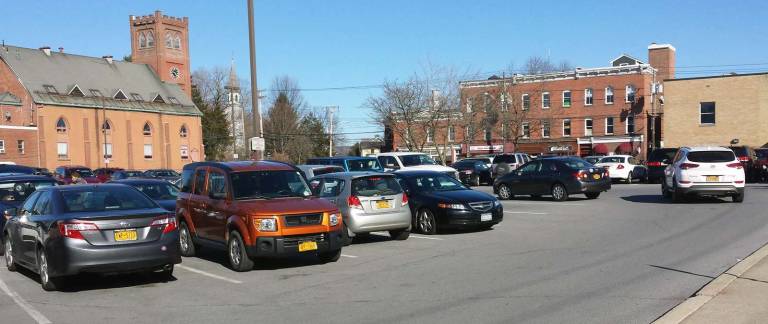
(612, 145)
(557, 147)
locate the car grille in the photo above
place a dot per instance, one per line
(303, 219)
(481, 205)
(295, 240)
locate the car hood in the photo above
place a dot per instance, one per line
(169, 205)
(430, 167)
(285, 206)
(459, 196)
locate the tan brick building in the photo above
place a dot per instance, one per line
(66, 109)
(716, 110)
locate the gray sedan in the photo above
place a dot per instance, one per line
(368, 201)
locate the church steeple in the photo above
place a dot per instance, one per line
(233, 82)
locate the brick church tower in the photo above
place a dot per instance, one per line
(162, 42)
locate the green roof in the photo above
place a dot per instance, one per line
(7, 98)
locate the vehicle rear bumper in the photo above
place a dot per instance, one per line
(711, 190)
(469, 218)
(591, 186)
(363, 223)
(285, 246)
(655, 173)
(70, 256)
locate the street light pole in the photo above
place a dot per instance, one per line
(258, 131)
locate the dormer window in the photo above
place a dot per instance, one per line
(50, 89)
(158, 99)
(119, 95)
(76, 92)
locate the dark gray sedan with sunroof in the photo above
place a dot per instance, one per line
(108, 228)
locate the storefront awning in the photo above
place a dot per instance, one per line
(624, 148)
(601, 149)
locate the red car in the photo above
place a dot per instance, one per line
(63, 174)
(105, 174)
(762, 163)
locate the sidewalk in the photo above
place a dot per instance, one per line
(740, 295)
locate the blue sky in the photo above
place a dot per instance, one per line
(341, 43)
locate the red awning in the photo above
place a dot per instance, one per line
(600, 149)
(624, 148)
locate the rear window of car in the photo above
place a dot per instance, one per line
(612, 159)
(661, 155)
(321, 171)
(504, 159)
(762, 154)
(576, 163)
(711, 156)
(364, 165)
(375, 186)
(105, 199)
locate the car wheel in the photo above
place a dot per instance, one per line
(46, 281)
(187, 246)
(664, 190)
(739, 197)
(10, 262)
(505, 192)
(677, 196)
(629, 177)
(476, 181)
(559, 193)
(238, 258)
(592, 195)
(346, 240)
(400, 235)
(166, 273)
(330, 256)
(426, 222)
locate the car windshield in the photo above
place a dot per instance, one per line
(364, 165)
(20, 190)
(324, 170)
(269, 184)
(711, 156)
(592, 160)
(375, 186)
(10, 168)
(437, 182)
(612, 159)
(84, 173)
(577, 163)
(165, 173)
(762, 154)
(661, 155)
(158, 191)
(417, 159)
(130, 174)
(102, 198)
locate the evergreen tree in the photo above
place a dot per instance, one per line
(216, 136)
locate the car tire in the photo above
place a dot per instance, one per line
(426, 222)
(400, 235)
(187, 246)
(677, 196)
(166, 273)
(559, 193)
(505, 192)
(739, 197)
(346, 240)
(330, 256)
(592, 195)
(236, 253)
(476, 181)
(664, 190)
(10, 262)
(629, 177)
(46, 281)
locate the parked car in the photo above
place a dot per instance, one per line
(473, 171)
(349, 163)
(165, 174)
(762, 162)
(368, 201)
(658, 161)
(438, 201)
(623, 167)
(486, 158)
(14, 189)
(105, 174)
(65, 230)
(161, 191)
(559, 177)
(704, 171)
(748, 158)
(506, 163)
(311, 170)
(255, 209)
(63, 174)
(126, 174)
(10, 169)
(593, 159)
(406, 161)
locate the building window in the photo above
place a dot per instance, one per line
(545, 100)
(526, 130)
(183, 131)
(61, 126)
(567, 98)
(168, 40)
(545, 129)
(184, 152)
(451, 133)
(707, 113)
(588, 97)
(76, 92)
(20, 146)
(488, 135)
(609, 126)
(630, 93)
(2, 146)
(526, 101)
(62, 150)
(470, 102)
(608, 96)
(486, 102)
(177, 42)
(150, 39)
(503, 100)
(50, 89)
(107, 150)
(629, 123)
(588, 127)
(147, 131)
(566, 127)
(147, 151)
(106, 127)
(142, 40)
(119, 95)
(429, 135)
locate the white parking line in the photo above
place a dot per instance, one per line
(542, 203)
(530, 213)
(425, 237)
(36, 315)
(209, 274)
(349, 256)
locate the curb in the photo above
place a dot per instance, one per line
(680, 312)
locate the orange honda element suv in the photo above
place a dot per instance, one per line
(256, 209)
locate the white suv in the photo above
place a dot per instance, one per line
(704, 171)
(394, 161)
(506, 163)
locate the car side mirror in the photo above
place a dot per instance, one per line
(10, 212)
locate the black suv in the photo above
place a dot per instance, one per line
(658, 161)
(748, 159)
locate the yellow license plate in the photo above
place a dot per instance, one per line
(596, 176)
(126, 235)
(712, 178)
(307, 246)
(381, 204)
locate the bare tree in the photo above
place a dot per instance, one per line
(404, 108)
(540, 65)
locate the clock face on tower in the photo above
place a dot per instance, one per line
(175, 73)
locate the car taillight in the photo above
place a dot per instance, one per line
(580, 175)
(620, 166)
(405, 200)
(73, 229)
(354, 202)
(744, 158)
(655, 164)
(686, 166)
(736, 165)
(168, 221)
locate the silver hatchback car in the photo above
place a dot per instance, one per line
(368, 201)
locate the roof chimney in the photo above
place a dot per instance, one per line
(108, 58)
(662, 58)
(61, 50)
(46, 50)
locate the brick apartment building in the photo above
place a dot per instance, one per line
(586, 111)
(65, 109)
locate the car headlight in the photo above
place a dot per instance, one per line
(496, 203)
(267, 225)
(334, 219)
(452, 206)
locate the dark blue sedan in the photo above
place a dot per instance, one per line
(161, 191)
(14, 189)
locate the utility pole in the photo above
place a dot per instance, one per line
(504, 111)
(257, 143)
(329, 110)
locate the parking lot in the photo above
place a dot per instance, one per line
(628, 256)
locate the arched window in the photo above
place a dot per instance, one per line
(183, 131)
(142, 40)
(61, 125)
(168, 40)
(150, 39)
(177, 41)
(147, 131)
(106, 127)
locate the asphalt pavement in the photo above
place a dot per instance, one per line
(627, 257)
